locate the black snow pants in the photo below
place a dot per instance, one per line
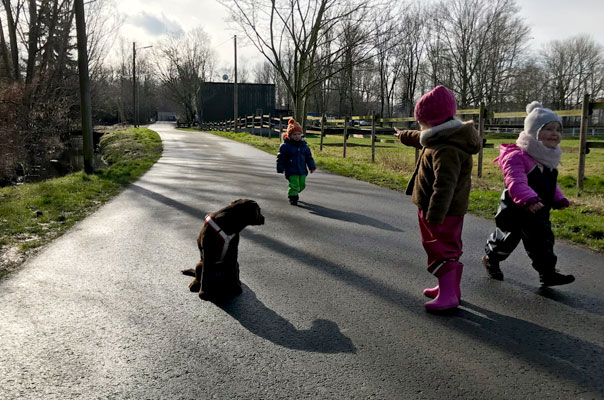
(515, 224)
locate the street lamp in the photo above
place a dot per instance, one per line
(134, 116)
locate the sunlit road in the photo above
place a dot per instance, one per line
(332, 306)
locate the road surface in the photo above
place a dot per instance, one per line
(332, 306)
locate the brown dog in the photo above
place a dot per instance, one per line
(217, 272)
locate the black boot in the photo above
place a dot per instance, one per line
(492, 268)
(293, 200)
(554, 278)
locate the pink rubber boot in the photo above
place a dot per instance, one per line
(433, 292)
(447, 292)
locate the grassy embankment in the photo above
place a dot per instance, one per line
(31, 215)
(582, 223)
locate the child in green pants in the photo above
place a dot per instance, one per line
(293, 158)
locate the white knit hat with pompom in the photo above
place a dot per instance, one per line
(538, 116)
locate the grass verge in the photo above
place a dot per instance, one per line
(582, 223)
(31, 215)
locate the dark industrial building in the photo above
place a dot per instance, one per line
(216, 100)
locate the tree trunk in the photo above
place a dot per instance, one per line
(4, 50)
(32, 41)
(12, 35)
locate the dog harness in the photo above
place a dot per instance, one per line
(226, 238)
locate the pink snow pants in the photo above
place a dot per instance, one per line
(442, 243)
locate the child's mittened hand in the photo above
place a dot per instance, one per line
(397, 133)
(312, 170)
(535, 207)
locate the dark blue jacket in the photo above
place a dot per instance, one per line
(293, 157)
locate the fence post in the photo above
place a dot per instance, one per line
(253, 124)
(280, 129)
(270, 125)
(481, 117)
(583, 140)
(373, 136)
(322, 132)
(261, 124)
(345, 135)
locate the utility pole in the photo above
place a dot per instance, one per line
(134, 109)
(236, 91)
(86, 108)
(134, 84)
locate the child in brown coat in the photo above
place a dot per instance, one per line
(440, 187)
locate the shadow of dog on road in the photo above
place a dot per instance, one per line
(217, 272)
(323, 336)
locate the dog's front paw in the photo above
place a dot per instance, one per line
(205, 296)
(194, 286)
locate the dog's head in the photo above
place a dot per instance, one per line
(241, 213)
(249, 211)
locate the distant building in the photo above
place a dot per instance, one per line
(166, 116)
(215, 100)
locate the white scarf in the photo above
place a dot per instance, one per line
(547, 156)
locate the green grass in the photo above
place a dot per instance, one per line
(31, 215)
(582, 223)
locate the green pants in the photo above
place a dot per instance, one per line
(297, 183)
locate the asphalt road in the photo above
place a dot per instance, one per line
(332, 306)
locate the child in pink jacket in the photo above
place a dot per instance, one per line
(530, 173)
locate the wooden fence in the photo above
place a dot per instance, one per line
(275, 126)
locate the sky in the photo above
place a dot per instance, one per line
(147, 21)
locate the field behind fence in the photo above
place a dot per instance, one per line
(374, 134)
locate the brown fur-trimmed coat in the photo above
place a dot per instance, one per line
(440, 184)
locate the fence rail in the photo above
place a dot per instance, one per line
(270, 125)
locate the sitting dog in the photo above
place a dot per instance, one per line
(217, 272)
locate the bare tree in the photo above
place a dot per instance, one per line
(39, 69)
(573, 67)
(289, 34)
(559, 59)
(13, 12)
(482, 39)
(264, 73)
(410, 50)
(502, 52)
(527, 83)
(182, 63)
(5, 69)
(102, 25)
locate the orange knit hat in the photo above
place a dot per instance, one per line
(293, 126)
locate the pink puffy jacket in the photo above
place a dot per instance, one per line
(516, 164)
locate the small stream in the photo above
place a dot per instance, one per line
(70, 159)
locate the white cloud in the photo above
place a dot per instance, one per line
(153, 25)
(147, 21)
